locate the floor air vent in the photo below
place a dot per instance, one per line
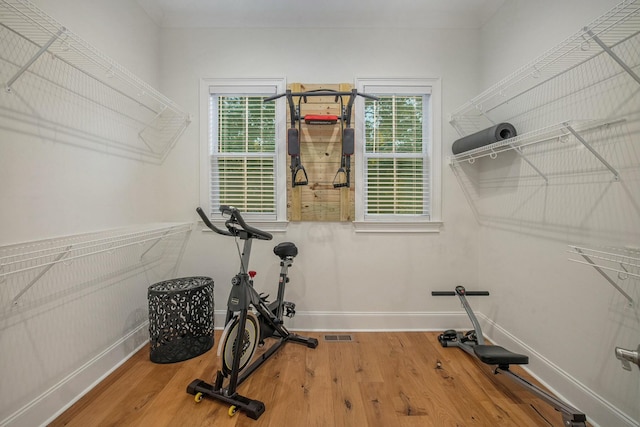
(338, 338)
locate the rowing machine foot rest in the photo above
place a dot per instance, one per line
(496, 355)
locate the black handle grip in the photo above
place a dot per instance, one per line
(208, 223)
(273, 98)
(452, 293)
(226, 210)
(371, 97)
(236, 218)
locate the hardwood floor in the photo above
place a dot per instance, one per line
(380, 379)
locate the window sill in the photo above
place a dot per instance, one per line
(397, 226)
(270, 226)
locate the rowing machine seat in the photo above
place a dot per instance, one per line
(496, 355)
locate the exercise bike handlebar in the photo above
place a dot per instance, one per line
(235, 220)
(208, 223)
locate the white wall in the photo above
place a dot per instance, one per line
(566, 313)
(54, 189)
(338, 272)
(340, 280)
(57, 189)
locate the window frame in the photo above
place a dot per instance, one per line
(276, 221)
(395, 223)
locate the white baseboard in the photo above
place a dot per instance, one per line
(47, 406)
(330, 321)
(599, 411)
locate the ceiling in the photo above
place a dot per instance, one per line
(321, 14)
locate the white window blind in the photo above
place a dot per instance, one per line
(243, 153)
(397, 155)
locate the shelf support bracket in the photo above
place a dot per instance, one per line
(456, 126)
(155, 242)
(61, 255)
(148, 125)
(33, 59)
(481, 110)
(605, 275)
(616, 175)
(613, 55)
(523, 157)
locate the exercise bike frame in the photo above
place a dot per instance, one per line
(241, 298)
(474, 340)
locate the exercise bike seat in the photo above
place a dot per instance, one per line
(285, 250)
(496, 355)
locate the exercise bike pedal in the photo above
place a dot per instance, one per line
(217, 385)
(289, 309)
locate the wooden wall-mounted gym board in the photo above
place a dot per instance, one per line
(320, 153)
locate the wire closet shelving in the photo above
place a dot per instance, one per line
(37, 270)
(623, 262)
(67, 90)
(555, 96)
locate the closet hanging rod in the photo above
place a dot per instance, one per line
(621, 271)
(94, 252)
(628, 257)
(40, 253)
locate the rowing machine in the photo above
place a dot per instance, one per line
(473, 343)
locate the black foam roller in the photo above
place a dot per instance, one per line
(484, 137)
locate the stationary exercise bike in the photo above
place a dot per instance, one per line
(472, 342)
(250, 320)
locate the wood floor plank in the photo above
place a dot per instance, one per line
(403, 379)
(317, 387)
(348, 404)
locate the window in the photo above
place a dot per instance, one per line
(399, 157)
(242, 157)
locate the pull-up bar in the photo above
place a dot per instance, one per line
(343, 176)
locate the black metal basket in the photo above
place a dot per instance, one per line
(180, 319)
